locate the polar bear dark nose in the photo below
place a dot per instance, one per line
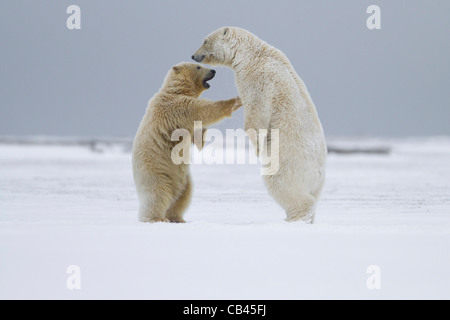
(213, 71)
(198, 58)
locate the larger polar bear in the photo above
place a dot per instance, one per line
(275, 97)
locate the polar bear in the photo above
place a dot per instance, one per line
(275, 97)
(163, 187)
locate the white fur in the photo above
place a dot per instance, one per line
(275, 97)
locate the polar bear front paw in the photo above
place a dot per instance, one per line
(237, 104)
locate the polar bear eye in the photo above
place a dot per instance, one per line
(198, 68)
(204, 42)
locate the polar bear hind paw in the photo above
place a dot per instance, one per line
(307, 218)
(151, 220)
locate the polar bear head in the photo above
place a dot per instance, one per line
(221, 46)
(188, 78)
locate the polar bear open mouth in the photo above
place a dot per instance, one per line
(208, 77)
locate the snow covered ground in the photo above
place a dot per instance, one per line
(63, 205)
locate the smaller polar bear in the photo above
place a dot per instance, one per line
(164, 188)
(275, 98)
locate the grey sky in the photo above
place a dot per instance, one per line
(97, 81)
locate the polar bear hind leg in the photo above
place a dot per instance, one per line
(152, 207)
(299, 204)
(177, 208)
(303, 209)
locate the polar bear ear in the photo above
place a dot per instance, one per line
(225, 31)
(176, 69)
